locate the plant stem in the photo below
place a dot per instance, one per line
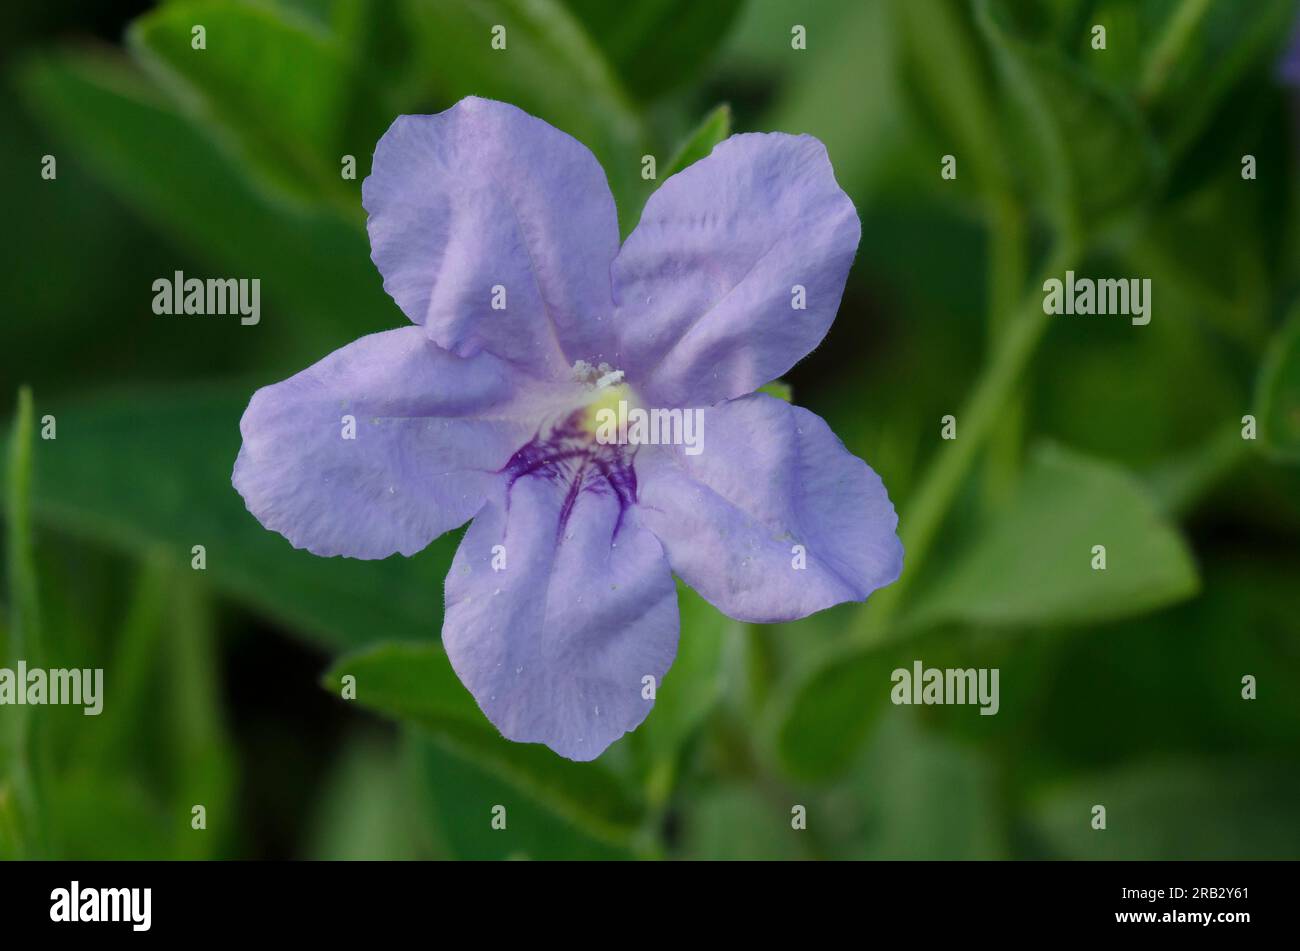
(18, 796)
(135, 654)
(24, 618)
(938, 489)
(1006, 282)
(1178, 30)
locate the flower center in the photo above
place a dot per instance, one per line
(605, 406)
(606, 394)
(569, 454)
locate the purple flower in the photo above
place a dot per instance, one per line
(496, 235)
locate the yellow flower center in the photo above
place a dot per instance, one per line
(604, 407)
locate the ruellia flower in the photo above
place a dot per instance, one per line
(591, 408)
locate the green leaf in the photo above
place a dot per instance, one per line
(152, 469)
(460, 794)
(135, 654)
(715, 127)
(736, 824)
(247, 84)
(1203, 809)
(946, 70)
(1277, 395)
(925, 798)
(316, 266)
(416, 684)
(1127, 39)
(1030, 566)
(922, 796)
(98, 816)
(693, 684)
(828, 712)
(778, 388)
(366, 810)
(1210, 259)
(1181, 678)
(1033, 564)
(657, 45)
(1095, 160)
(201, 755)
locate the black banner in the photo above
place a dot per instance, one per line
(339, 900)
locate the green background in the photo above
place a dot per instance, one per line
(1120, 688)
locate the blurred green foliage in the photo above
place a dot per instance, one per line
(1120, 687)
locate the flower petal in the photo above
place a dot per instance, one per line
(485, 196)
(705, 286)
(555, 644)
(771, 480)
(421, 461)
